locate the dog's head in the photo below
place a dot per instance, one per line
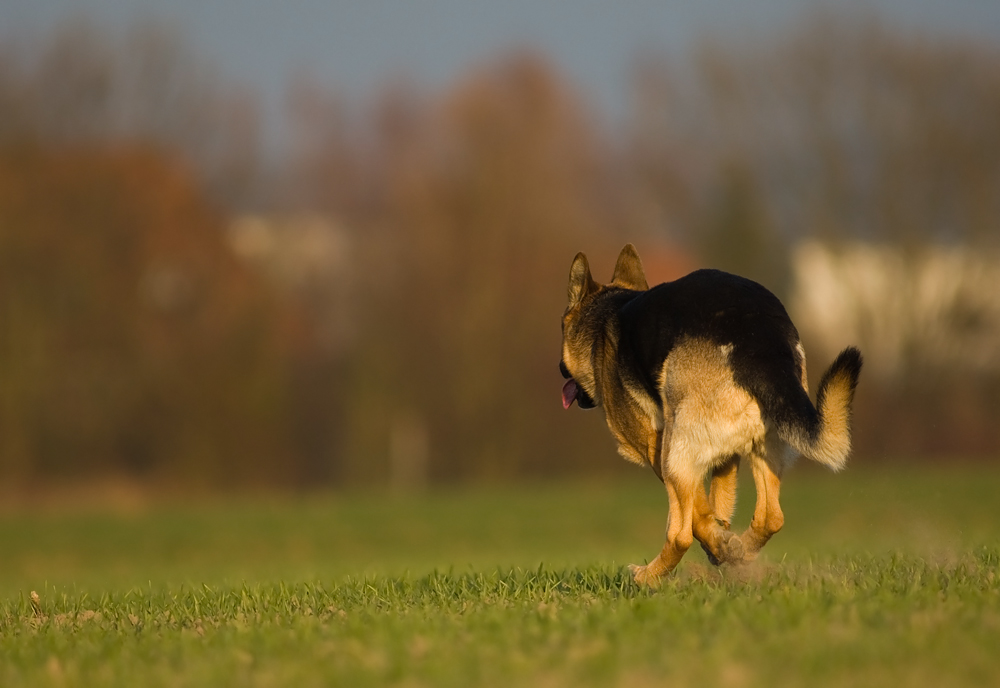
(582, 323)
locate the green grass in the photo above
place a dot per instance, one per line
(879, 577)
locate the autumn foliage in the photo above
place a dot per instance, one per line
(136, 341)
(132, 341)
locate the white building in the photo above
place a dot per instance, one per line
(934, 308)
(306, 256)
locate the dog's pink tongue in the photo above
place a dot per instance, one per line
(569, 393)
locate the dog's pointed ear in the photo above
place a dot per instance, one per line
(580, 281)
(628, 270)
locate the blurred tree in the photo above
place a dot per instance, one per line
(737, 234)
(132, 341)
(85, 86)
(470, 215)
(840, 129)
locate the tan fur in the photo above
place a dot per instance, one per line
(835, 436)
(833, 445)
(805, 378)
(637, 423)
(628, 270)
(713, 418)
(576, 355)
(723, 490)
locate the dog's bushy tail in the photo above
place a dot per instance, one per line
(824, 435)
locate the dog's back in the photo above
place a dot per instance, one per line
(762, 350)
(724, 309)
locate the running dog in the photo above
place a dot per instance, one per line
(694, 376)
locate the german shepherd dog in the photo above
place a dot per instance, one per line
(696, 375)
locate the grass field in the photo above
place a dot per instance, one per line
(879, 577)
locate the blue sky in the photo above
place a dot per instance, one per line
(357, 46)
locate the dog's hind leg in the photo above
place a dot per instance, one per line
(767, 516)
(716, 512)
(722, 491)
(683, 494)
(713, 536)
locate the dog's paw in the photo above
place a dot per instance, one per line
(737, 551)
(729, 549)
(645, 575)
(712, 559)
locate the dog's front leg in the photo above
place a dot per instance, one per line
(682, 494)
